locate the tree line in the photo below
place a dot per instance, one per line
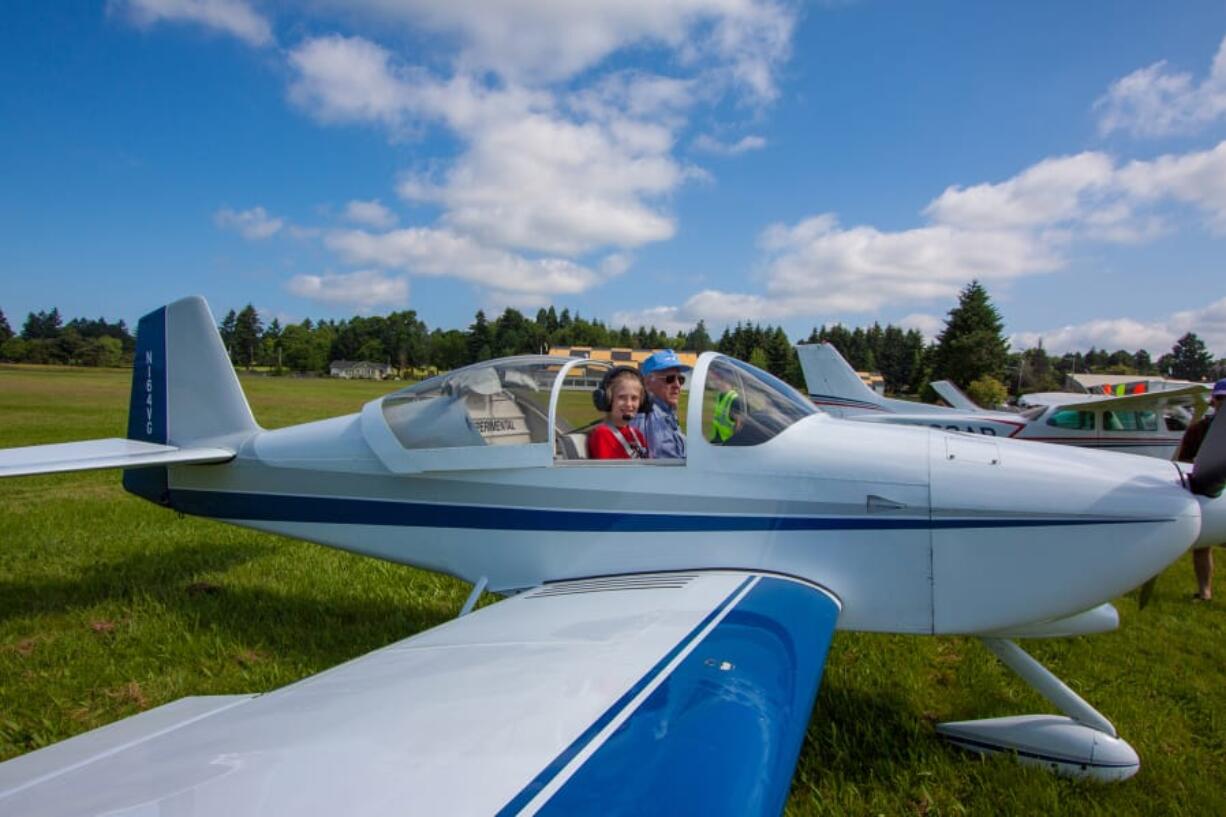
(971, 350)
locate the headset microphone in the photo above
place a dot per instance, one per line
(602, 398)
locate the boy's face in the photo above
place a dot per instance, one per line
(627, 395)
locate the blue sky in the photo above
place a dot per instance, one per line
(640, 161)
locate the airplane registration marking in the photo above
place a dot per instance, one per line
(149, 393)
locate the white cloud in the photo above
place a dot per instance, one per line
(1156, 101)
(560, 175)
(364, 290)
(433, 252)
(234, 17)
(994, 232)
(370, 213)
(928, 325)
(1157, 336)
(738, 42)
(666, 318)
(709, 144)
(254, 224)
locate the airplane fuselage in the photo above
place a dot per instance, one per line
(915, 530)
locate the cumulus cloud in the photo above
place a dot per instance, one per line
(540, 173)
(999, 231)
(928, 325)
(737, 42)
(709, 144)
(435, 252)
(370, 213)
(234, 17)
(364, 290)
(254, 224)
(1158, 101)
(1156, 336)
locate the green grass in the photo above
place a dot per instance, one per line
(109, 605)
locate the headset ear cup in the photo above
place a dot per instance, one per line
(599, 399)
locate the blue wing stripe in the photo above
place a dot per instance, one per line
(541, 780)
(721, 734)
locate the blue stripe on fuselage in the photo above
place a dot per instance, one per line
(349, 511)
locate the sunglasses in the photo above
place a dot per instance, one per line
(670, 379)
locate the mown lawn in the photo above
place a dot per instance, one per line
(109, 605)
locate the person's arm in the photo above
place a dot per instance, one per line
(1190, 443)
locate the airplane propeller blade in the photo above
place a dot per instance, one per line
(1209, 470)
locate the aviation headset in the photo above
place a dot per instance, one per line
(603, 399)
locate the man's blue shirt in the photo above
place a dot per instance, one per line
(663, 432)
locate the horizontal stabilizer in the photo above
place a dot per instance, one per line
(954, 396)
(90, 455)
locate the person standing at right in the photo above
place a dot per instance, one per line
(1202, 558)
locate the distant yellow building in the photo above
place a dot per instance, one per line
(618, 356)
(874, 381)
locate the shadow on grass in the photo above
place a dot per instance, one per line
(859, 738)
(287, 623)
(121, 579)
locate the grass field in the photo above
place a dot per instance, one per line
(109, 605)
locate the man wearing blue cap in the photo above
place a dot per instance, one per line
(664, 375)
(1189, 446)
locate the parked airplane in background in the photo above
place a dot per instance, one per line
(668, 620)
(1150, 424)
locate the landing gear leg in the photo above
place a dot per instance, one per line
(1082, 744)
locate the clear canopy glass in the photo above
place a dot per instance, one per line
(750, 405)
(496, 402)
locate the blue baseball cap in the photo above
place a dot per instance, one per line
(1219, 388)
(661, 360)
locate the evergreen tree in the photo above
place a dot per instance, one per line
(698, 340)
(227, 332)
(480, 340)
(247, 331)
(972, 343)
(6, 331)
(1190, 360)
(42, 325)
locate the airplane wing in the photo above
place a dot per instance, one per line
(953, 395)
(637, 694)
(1138, 402)
(93, 454)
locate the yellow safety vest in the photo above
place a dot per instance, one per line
(723, 416)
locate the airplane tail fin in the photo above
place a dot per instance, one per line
(184, 389)
(954, 396)
(831, 381)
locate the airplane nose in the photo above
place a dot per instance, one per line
(1025, 532)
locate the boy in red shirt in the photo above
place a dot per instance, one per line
(620, 397)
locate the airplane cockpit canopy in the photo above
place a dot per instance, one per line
(762, 407)
(497, 402)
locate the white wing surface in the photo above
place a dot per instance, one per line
(644, 694)
(1139, 402)
(89, 455)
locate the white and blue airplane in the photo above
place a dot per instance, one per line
(1149, 424)
(666, 622)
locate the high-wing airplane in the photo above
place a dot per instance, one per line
(1150, 424)
(667, 621)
